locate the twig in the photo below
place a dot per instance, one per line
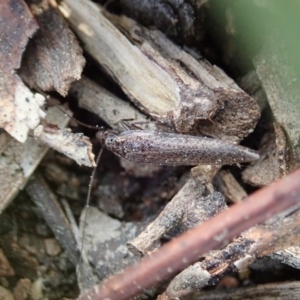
(72, 221)
(185, 250)
(190, 206)
(53, 214)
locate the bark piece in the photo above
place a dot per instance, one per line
(191, 279)
(289, 256)
(111, 109)
(120, 58)
(85, 274)
(192, 205)
(53, 58)
(276, 234)
(18, 161)
(274, 161)
(187, 248)
(109, 242)
(207, 97)
(270, 291)
(229, 186)
(20, 108)
(49, 207)
(76, 146)
(181, 20)
(151, 74)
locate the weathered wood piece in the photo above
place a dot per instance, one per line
(54, 216)
(74, 145)
(182, 251)
(18, 161)
(192, 205)
(270, 291)
(229, 186)
(289, 256)
(53, 58)
(162, 79)
(278, 233)
(209, 98)
(274, 161)
(110, 108)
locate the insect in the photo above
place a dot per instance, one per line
(171, 149)
(162, 148)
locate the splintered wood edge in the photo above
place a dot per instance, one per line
(74, 145)
(138, 76)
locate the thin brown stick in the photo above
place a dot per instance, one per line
(186, 249)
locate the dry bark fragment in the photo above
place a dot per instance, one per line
(180, 20)
(19, 108)
(151, 74)
(53, 58)
(76, 146)
(289, 256)
(229, 186)
(274, 161)
(18, 161)
(49, 207)
(111, 109)
(99, 245)
(119, 57)
(207, 95)
(277, 233)
(271, 291)
(192, 205)
(187, 248)
(187, 282)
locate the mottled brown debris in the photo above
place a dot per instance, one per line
(229, 186)
(20, 108)
(274, 160)
(284, 290)
(276, 234)
(53, 58)
(6, 269)
(74, 145)
(192, 205)
(22, 290)
(187, 248)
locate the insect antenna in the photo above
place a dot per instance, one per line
(87, 205)
(77, 121)
(88, 198)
